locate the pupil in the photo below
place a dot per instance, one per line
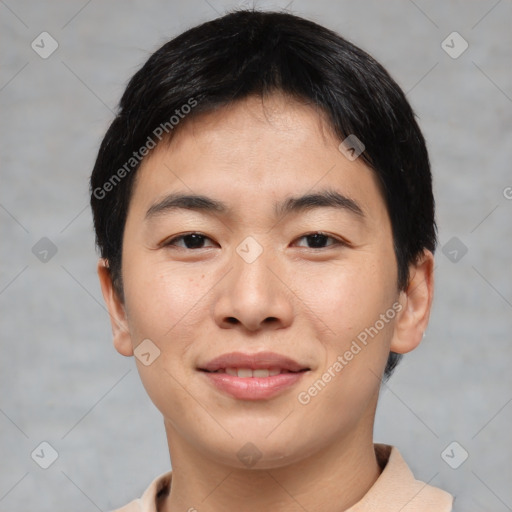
(318, 240)
(193, 241)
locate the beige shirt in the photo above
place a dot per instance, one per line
(396, 489)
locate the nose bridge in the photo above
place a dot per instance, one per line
(252, 293)
(252, 279)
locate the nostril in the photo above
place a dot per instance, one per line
(231, 320)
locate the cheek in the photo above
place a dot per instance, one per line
(165, 306)
(347, 299)
(348, 304)
(162, 301)
(356, 347)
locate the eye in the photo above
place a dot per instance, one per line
(319, 240)
(190, 241)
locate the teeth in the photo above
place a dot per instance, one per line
(260, 373)
(245, 373)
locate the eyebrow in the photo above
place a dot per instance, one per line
(323, 199)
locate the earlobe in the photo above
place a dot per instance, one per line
(416, 303)
(120, 332)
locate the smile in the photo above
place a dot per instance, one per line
(245, 373)
(247, 384)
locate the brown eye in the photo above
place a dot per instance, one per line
(189, 241)
(320, 240)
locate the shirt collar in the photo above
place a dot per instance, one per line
(395, 490)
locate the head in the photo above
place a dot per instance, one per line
(301, 244)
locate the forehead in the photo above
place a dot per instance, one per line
(272, 130)
(254, 151)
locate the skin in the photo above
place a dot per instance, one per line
(297, 299)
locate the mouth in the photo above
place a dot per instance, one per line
(243, 362)
(247, 373)
(259, 376)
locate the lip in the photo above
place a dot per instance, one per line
(253, 388)
(255, 361)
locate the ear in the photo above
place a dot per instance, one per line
(116, 309)
(416, 302)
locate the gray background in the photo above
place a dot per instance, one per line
(62, 381)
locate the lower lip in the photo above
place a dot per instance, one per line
(253, 388)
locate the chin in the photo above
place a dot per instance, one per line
(257, 452)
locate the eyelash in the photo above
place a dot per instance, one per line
(337, 241)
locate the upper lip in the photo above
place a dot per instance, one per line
(259, 360)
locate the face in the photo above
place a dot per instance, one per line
(272, 299)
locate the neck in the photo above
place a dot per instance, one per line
(331, 480)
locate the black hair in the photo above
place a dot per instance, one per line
(252, 52)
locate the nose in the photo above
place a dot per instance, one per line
(254, 296)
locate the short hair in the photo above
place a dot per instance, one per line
(246, 53)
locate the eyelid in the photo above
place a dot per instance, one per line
(337, 239)
(167, 242)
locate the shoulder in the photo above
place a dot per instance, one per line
(149, 501)
(397, 489)
(133, 506)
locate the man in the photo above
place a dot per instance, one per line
(263, 206)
